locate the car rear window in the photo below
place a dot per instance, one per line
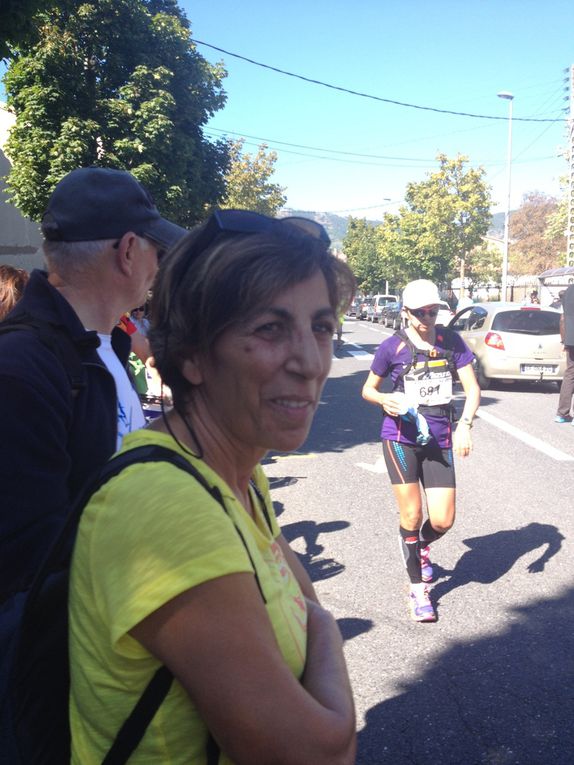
(527, 322)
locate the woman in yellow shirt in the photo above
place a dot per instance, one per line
(242, 318)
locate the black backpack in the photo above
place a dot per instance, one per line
(447, 353)
(34, 726)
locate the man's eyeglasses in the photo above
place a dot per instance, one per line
(420, 313)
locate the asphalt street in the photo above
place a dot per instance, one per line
(492, 681)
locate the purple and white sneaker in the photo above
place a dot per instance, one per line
(420, 604)
(427, 573)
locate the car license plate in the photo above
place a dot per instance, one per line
(536, 369)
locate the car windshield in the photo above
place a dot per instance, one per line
(527, 322)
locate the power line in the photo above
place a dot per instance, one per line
(374, 98)
(270, 142)
(319, 148)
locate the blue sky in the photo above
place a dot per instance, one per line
(446, 54)
(453, 55)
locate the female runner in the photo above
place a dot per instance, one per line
(418, 441)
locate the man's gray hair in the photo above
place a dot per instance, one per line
(69, 259)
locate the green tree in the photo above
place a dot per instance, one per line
(115, 83)
(247, 181)
(16, 23)
(444, 219)
(361, 250)
(483, 265)
(537, 234)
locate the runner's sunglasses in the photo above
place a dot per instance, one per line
(420, 313)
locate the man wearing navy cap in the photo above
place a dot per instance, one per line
(65, 396)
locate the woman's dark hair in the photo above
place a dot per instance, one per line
(198, 295)
(12, 283)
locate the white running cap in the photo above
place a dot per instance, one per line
(419, 293)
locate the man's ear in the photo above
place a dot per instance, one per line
(191, 370)
(126, 252)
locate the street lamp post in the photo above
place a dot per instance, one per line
(508, 97)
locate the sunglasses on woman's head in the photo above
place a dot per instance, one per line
(422, 312)
(248, 222)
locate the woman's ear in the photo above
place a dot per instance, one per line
(191, 370)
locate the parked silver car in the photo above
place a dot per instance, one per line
(512, 341)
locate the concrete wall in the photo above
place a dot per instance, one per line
(20, 238)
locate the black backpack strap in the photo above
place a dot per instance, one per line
(135, 726)
(401, 333)
(448, 336)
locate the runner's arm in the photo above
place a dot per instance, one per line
(391, 403)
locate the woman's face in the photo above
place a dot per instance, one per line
(262, 383)
(423, 319)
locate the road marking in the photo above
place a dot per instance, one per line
(359, 353)
(294, 455)
(378, 467)
(535, 443)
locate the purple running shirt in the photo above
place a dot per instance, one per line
(390, 360)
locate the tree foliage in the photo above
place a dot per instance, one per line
(537, 234)
(115, 83)
(362, 253)
(16, 23)
(444, 219)
(247, 181)
(447, 215)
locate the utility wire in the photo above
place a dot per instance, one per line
(374, 98)
(270, 142)
(318, 148)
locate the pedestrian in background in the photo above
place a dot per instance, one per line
(564, 413)
(422, 362)
(242, 318)
(12, 283)
(140, 319)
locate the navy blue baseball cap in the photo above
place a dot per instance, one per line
(93, 203)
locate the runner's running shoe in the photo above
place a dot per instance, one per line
(420, 604)
(426, 565)
(560, 419)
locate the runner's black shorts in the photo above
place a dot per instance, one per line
(431, 465)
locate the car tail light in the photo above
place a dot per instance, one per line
(530, 308)
(493, 340)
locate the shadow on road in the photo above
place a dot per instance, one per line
(351, 628)
(492, 556)
(318, 568)
(505, 699)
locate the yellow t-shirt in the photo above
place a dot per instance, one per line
(148, 535)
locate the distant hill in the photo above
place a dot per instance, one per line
(497, 226)
(336, 225)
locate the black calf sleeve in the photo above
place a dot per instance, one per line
(428, 534)
(410, 550)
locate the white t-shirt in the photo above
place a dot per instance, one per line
(130, 412)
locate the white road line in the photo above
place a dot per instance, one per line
(359, 353)
(377, 467)
(535, 443)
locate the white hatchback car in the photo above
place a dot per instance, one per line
(512, 341)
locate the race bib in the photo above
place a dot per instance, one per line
(429, 383)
